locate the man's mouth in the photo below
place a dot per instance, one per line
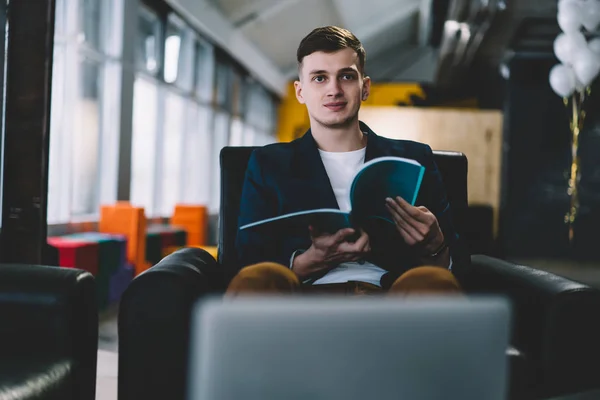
(336, 106)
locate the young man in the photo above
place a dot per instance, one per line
(315, 171)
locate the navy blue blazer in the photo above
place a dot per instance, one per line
(287, 177)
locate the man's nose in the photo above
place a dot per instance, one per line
(334, 88)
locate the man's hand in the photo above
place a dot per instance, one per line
(417, 225)
(327, 251)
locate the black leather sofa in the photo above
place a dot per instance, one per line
(555, 346)
(48, 333)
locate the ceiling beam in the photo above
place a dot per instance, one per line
(262, 13)
(425, 22)
(372, 29)
(207, 19)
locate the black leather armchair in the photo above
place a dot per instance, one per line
(555, 347)
(48, 333)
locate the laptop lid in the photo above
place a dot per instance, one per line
(349, 348)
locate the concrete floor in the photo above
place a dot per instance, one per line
(106, 381)
(107, 372)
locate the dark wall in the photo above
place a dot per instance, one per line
(537, 162)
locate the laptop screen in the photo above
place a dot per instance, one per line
(347, 348)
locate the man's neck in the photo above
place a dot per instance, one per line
(339, 140)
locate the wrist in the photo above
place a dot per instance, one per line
(439, 257)
(438, 251)
(435, 247)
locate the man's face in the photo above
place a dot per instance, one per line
(332, 87)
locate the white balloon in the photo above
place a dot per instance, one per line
(561, 49)
(562, 80)
(594, 45)
(569, 17)
(566, 46)
(586, 65)
(590, 15)
(567, 3)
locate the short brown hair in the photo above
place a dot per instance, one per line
(330, 39)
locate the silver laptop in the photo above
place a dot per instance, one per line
(314, 348)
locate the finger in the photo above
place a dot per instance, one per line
(361, 243)
(400, 218)
(395, 205)
(361, 246)
(367, 246)
(413, 211)
(412, 234)
(422, 227)
(348, 248)
(407, 236)
(341, 235)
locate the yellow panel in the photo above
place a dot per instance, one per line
(212, 250)
(293, 117)
(390, 94)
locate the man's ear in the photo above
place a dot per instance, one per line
(298, 90)
(366, 89)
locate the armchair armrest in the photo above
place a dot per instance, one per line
(555, 323)
(48, 334)
(154, 318)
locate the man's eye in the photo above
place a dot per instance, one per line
(319, 78)
(348, 77)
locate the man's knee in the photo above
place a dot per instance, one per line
(427, 280)
(265, 277)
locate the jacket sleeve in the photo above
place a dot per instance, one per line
(436, 200)
(258, 201)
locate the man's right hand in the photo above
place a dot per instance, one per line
(327, 251)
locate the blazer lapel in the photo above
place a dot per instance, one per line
(375, 145)
(309, 173)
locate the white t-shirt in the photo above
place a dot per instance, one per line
(341, 168)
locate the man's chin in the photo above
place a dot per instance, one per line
(338, 123)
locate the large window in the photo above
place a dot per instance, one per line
(260, 116)
(172, 139)
(85, 108)
(144, 142)
(220, 132)
(172, 173)
(85, 143)
(189, 100)
(197, 155)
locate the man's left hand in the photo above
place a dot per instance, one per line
(417, 225)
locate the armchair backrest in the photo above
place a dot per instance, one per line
(452, 165)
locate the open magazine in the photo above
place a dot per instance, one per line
(375, 181)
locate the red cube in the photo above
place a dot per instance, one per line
(76, 254)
